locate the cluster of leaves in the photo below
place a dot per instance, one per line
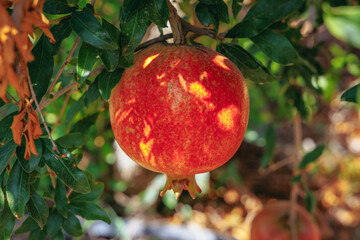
(25, 184)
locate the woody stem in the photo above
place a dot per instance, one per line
(175, 23)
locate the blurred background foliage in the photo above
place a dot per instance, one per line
(326, 35)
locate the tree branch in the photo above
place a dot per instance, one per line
(58, 94)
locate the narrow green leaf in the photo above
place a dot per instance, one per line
(86, 60)
(57, 7)
(203, 14)
(2, 201)
(41, 69)
(263, 14)
(37, 234)
(83, 126)
(270, 138)
(17, 190)
(67, 171)
(6, 153)
(310, 201)
(81, 208)
(296, 178)
(60, 31)
(28, 225)
(60, 198)
(90, 31)
(110, 58)
(92, 93)
(212, 14)
(107, 81)
(53, 225)
(5, 130)
(249, 66)
(74, 110)
(276, 46)
(156, 11)
(352, 94)
(311, 156)
(38, 209)
(126, 61)
(236, 7)
(73, 140)
(72, 225)
(133, 30)
(114, 32)
(96, 190)
(7, 223)
(29, 164)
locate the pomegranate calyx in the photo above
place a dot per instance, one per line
(178, 184)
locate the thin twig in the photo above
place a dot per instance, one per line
(12, 98)
(67, 60)
(276, 166)
(58, 94)
(64, 104)
(188, 27)
(295, 186)
(51, 176)
(59, 19)
(153, 41)
(175, 24)
(96, 71)
(33, 95)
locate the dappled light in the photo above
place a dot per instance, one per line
(149, 60)
(147, 129)
(122, 114)
(226, 117)
(145, 147)
(220, 61)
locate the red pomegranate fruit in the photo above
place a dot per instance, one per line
(273, 223)
(180, 110)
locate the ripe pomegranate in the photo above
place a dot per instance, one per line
(273, 223)
(180, 110)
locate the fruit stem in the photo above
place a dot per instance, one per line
(178, 184)
(175, 23)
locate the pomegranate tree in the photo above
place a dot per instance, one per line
(273, 223)
(180, 110)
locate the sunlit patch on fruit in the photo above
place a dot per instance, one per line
(220, 61)
(121, 115)
(133, 100)
(226, 117)
(146, 147)
(161, 76)
(175, 63)
(149, 60)
(147, 129)
(203, 76)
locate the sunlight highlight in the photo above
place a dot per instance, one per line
(198, 90)
(226, 117)
(122, 114)
(220, 61)
(147, 129)
(149, 60)
(146, 147)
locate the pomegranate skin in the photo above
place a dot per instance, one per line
(180, 110)
(273, 223)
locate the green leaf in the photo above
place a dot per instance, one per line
(37, 234)
(294, 97)
(212, 14)
(72, 225)
(6, 153)
(344, 23)
(249, 66)
(90, 31)
(67, 171)
(61, 202)
(126, 61)
(73, 140)
(311, 156)
(157, 11)
(58, 236)
(17, 190)
(74, 110)
(270, 137)
(38, 209)
(276, 46)
(53, 225)
(296, 178)
(107, 81)
(27, 226)
(89, 211)
(133, 31)
(110, 58)
(235, 7)
(96, 190)
(29, 164)
(352, 94)
(114, 32)
(86, 60)
(92, 93)
(5, 130)
(83, 126)
(60, 31)
(7, 223)
(41, 68)
(310, 201)
(263, 14)
(2, 201)
(57, 7)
